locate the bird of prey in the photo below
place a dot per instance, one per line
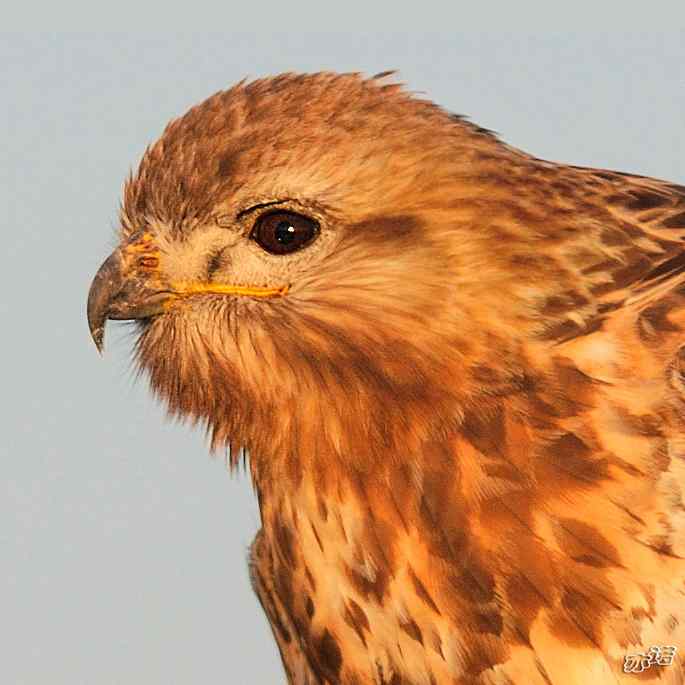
(457, 372)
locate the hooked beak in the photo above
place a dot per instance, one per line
(128, 285)
(115, 295)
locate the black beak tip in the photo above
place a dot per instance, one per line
(96, 324)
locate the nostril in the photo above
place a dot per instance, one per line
(148, 262)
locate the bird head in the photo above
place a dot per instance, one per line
(306, 260)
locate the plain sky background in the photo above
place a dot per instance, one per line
(122, 544)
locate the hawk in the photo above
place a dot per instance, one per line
(457, 370)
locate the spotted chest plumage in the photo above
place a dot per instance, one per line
(532, 558)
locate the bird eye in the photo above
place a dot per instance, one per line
(284, 232)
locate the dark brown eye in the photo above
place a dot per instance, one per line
(284, 232)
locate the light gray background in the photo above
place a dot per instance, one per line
(122, 544)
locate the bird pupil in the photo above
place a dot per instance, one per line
(285, 232)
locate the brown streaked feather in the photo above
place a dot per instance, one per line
(297, 668)
(630, 242)
(466, 420)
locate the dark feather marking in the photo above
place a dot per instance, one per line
(647, 425)
(355, 617)
(504, 470)
(475, 582)
(541, 670)
(482, 656)
(413, 630)
(489, 622)
(277, 622)
(464, 121)
(583, 615)
(485, 430)
(310, 578)
(661, 546)
(578, 535)
(341, 526)
(436, 644)
(558, 304)
(283, 586)
(316, 535)
(375, 588)
(323, 509)
(653, 322)
(388, 230)
(670, 267)
(607, 265)
(284, 539)
(446, 526)
(329, 656)
(570, 454)
(614, 236)
(264, 595)
(641, 200)
(625, 509)
(564, 331)
(384, 74)
(637, 267)
(398, 511)
(675, 221)
(421, 591)
(526, 600)
(672, 623)
(214, 263)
